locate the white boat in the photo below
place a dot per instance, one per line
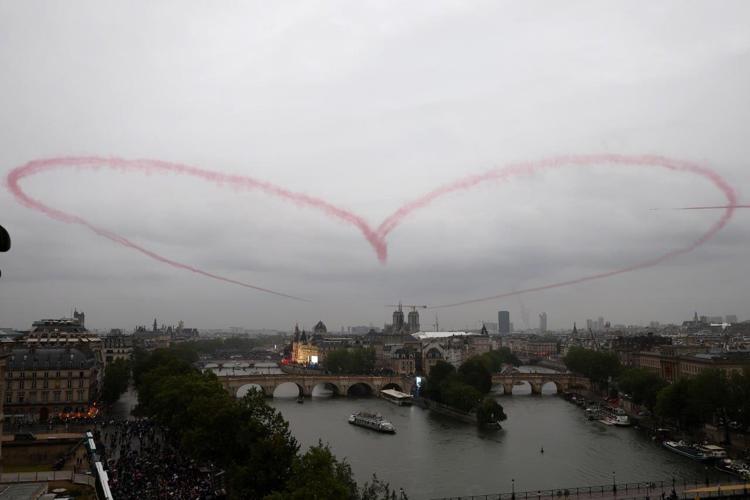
(712, 451)
(371, 421)
(686, 450)
(396, 397)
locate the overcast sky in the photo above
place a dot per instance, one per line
(368, 105)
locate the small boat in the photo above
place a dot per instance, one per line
(300, 400)
(686, 450)
(614, 416)
(371, 421)
(736, 468)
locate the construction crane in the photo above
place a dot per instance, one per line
(414, 307)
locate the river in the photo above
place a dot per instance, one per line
(432, 456)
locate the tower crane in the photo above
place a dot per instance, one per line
(414, 307)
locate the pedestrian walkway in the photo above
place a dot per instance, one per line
(654, 490)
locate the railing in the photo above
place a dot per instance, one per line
(60, 475)
(675, 489)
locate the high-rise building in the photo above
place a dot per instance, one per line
(543, 322)
(503, 322)
(589, 324)
(600, 324)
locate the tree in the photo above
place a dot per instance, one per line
(673, 403)
(597, 366)
(643, 385)
(458, 394)
(474, 372)
(116, 379)
(351, 361)
(494, 360)
(490, 411)
(438, 373)
(318, 475)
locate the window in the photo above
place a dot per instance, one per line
(8, 397)
(56, 396)
(45, 384)
(80, 383)
(32, 397)
(33, 383)
(46, 374)
(21, 396)
(80, 375)
(21, 383)
(68, 395)
(45, 396)
(70, 383)
(80, 396)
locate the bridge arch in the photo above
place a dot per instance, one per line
(550, 387)
(287, 390)
(243, 390)
(522, 387)
(360, 389)
(325, 390)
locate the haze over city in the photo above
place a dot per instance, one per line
(368, 110)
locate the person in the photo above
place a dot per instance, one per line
(542, 450)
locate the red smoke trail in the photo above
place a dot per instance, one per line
(717, 207)
(376, 238)
(149, 166)
(528, 168)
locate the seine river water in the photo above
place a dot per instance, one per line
(432, 456)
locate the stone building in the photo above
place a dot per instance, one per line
(671, 365)
(41, 382)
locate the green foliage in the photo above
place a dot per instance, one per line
(115, 382)
(318, 475)
(351, 361)
(643, 385)
(490, 411)
(379, 490)
(474, 372)
(494, 360)
(458, 394)
(596, 366)
(462, 389)
(438, 374)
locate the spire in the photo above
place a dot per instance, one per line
(296, 333)
(575, 330)
(155, 328)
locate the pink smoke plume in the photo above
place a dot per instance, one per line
(376, 237)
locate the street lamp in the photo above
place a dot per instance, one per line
(614, 483)
(513, 489)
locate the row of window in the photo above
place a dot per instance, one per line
(31, 397)
(22, 374)
(45, 384)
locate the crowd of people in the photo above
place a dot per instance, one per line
(143, 465)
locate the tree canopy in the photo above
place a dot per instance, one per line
(597, 366)
(357, 361)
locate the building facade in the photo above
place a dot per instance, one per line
(51, 381)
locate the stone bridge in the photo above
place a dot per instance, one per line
(564, 382)
(341, 385)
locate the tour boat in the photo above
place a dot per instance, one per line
(712, 451)
(686, 450)
(396, 397)
(371, 421)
